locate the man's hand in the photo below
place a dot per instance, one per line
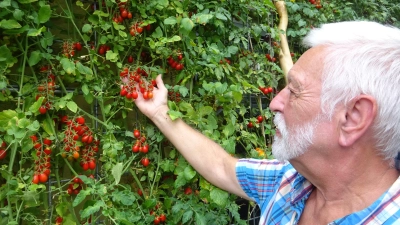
(150, 107)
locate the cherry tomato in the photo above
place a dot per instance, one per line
(3, 154)
(260, 118)
(188, 190)
(78, 46)
(42, 109)
(145, 162)
(163, 218)
(47, 141)
(92, 165)
(80, 120)
(43, 178)
(35, 179)
(136, 133)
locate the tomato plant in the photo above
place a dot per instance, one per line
(75, 149)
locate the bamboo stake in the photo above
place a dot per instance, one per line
(285, 59)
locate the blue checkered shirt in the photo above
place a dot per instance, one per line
(281, 193)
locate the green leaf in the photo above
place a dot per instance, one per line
(174, 38)
(188, 215)
(18, 14)
(174, 114)
(85, 89)
(221, 16)
(68, 66)
(83, 69)
(92, 209)
(189, 173)
(80, 197)
(170, 20)
(187, 24)
(35, 106)
(125, 197)
(26, 1)
(219, 196)
(117, 172)
(9, 24)
(87, 28)
(5, 117)
(233, 50)
(34, 126)
(71, 105)
(200, 219)
(113, 57)
(36, 32)
(48, 126)
(34, 58)
(44, 13)
(150, 203)
(5, 3)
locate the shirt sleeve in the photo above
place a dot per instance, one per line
(260, 179)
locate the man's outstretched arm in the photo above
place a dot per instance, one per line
(207, 157)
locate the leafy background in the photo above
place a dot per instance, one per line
(218, 90)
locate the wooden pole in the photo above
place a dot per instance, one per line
(285, 58)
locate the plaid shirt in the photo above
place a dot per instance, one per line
(281, 193)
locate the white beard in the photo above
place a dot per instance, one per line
(294, 142)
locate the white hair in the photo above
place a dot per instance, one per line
(363, 58)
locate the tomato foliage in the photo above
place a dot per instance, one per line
(75, 149)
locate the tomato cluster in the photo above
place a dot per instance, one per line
(227, 61)
(266, 90)
(137, 28)
(176, 64)
(103, 49)
(46, 90)
(317, 3)
(141, 146)
(133, 78)
(124, 13)
(160, 219)
(77, 135)
(3, 152)
(174, 96)
(42, 162)
(69, 48)
(76, 185)
(270, 58)
(259, 118)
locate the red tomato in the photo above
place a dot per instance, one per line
(42, 109)
(145, 162)
(139, 29)
(92, 165)
(145, 149)
(78, 46)
(260, 119)
(135, 148)
(136, 133)
(188, 190)
(43, 178)
(163, 218)
(80, 120)
(3, 154)
(130, 59)
(35, 179)
(47, 141)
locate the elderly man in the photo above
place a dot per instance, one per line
(337, 134)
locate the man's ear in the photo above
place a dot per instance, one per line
(357, 119)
